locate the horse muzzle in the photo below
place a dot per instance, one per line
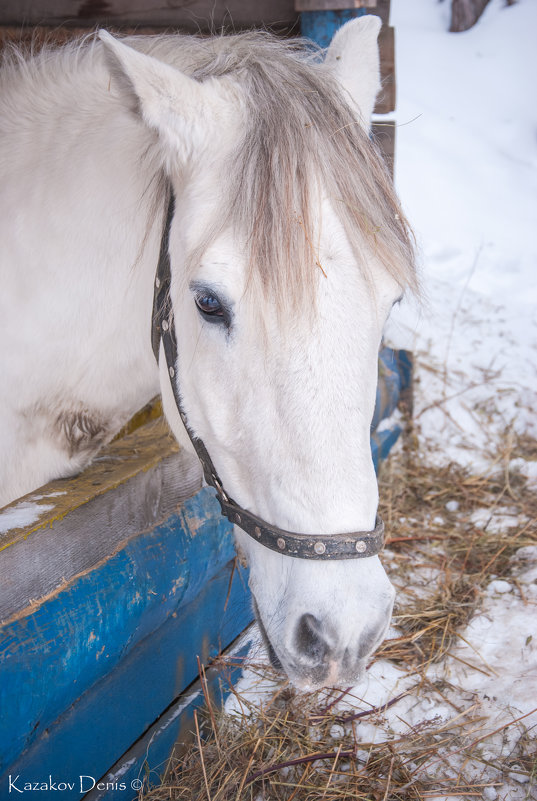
(320, 651)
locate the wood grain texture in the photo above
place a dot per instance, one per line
(60, 647)
(189, 15)
(116, 464)
(174, 730)
(384, 135)
(133, 485)
(386, 99)
(71, 729)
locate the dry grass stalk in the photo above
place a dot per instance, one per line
(310, 747)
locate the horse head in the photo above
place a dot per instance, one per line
(287, 250)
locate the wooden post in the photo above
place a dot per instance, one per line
(465, 13)
(320, 20)
(113, 581)
(203, 16)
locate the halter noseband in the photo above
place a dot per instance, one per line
(355, 545)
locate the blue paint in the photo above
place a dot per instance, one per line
(388, 388)
(51, 657)
(93, 668)
(102, 724)
(395, 376)
(320, 26)
(382, 442)
(145, 760)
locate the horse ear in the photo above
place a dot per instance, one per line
(353, 56)
(181, 110)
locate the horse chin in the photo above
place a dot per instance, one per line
(328, 676)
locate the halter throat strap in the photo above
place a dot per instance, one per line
(354, 545)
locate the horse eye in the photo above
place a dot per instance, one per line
(209, 304)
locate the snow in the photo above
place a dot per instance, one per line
(466, 173)
(23, 514)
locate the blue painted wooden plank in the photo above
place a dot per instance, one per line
(389, 386)
(382, 442)
(320, 26)
(50, 657)
(147, 759)
(395, 376)
(104, 722)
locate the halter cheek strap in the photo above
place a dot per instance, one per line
(355, 545)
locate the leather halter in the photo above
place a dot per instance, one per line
(355, 545)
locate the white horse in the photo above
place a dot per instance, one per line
(287, 249)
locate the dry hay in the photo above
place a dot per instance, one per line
(311, 747)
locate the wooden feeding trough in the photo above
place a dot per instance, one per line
(116, 584)
(113, 584)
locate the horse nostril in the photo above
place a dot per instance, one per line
(309, 640)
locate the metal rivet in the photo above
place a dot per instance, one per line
(171, 372)
(257, 532)
(280, 542)
(165, 325)
(319, 547)
(361, 546)
(157, 282)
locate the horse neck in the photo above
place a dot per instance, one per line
(79, 178)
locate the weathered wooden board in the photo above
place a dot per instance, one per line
(58, 647)
(92, 569)
(192, 15)
(133, 483)
(386, 99)
(394, 390)
(317, 26)
(148, 758)
(102, 724)
(384, 135)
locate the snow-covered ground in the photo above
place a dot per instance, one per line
(466, 172)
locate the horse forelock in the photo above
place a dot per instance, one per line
(301, 142)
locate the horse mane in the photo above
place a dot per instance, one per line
(302, 141)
